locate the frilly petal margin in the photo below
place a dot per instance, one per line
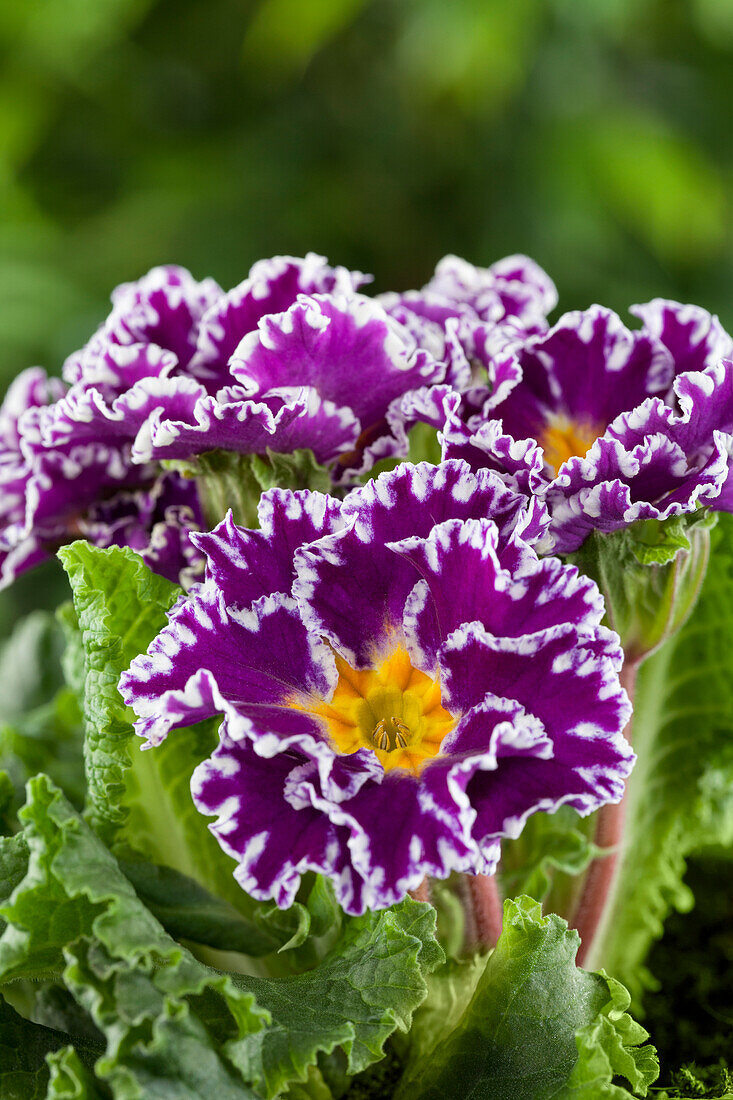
(607, 425)
(652, 463)
(520, 681)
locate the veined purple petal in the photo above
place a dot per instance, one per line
(248, 564)
(271, 287)
(260, 656)
(513, 287)
(466, 581)
(188, 421)
(342, 750)
(351, 586)
(347, 348)
(163, 308)
(695, 338)
(608, 425)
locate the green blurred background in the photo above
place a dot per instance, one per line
(593, 134)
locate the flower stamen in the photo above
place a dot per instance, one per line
(390, 734)
(563, 438)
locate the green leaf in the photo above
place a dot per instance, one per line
(227, 480)
(450, 989)
(48, 739)
(650, 575)
(40, 720)
(168, 1019)
(537, 1027)
(543, 861)
(73, 660)
(140, 802)
(121, 606)
(296, 470)
(30, 665)
(170, 1026)
(680, 794)
(23, 1048)
(610, 1046)
(361, 993)
(69, 1079)
(189, 912)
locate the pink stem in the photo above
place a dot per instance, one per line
(486, 910)
(601, 874)
(422, 893)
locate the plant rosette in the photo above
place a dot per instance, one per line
(369, 759)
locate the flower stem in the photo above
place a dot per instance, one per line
(422, 892)
(484, 910)
(602, 874)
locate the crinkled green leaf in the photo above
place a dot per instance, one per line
(230, 481)
(294, 470)
(36, 1062)
(548, 844)
(167, 1019)
(121, 606)
(611, 1046)
(537, 1027)
(173, 1028)
(188, 911)
(73, 659)
(450, 990)
(680, 794)
(140, 802)
(69, 1079)
(650, 575)
(364, 991)
(23, 1048)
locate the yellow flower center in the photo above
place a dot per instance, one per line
(394, 710)
(561, 438)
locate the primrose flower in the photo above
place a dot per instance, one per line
(291, 358)
(609, 425)
(513, 289)
(84, 488)
(403, 682)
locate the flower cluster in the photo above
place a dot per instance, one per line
(609, 425)
(403, 682)
(404, 675)
(294, 357)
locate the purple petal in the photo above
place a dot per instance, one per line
(189, 421)
(273, 842)
(348, 349)
(272, 287)
(466, 582)
(163, 308)
(260, 657)
(352, 587)
(246, 564)
(565, 676)
(695, 338)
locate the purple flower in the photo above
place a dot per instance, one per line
(82, 460)
(163, 308)
(403, 682)
(84, 486)
(514, 289)
(292, 358)
(609, 425)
